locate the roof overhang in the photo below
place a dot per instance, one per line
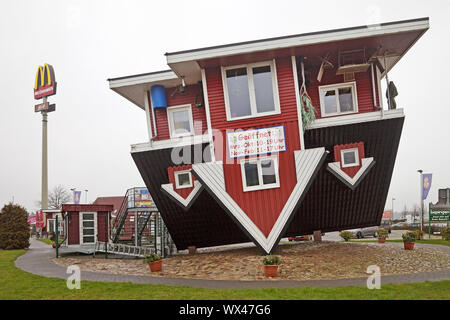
(186, 62)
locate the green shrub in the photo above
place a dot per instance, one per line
(419, 234)
(14, 228)
(446, 234)
(151, 258)
(382, 233)
(271, 260)
(346, 235)
(409, 236)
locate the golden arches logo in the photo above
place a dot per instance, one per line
(42, 74)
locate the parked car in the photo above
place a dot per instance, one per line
(364, 232)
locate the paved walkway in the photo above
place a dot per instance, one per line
(37, 260)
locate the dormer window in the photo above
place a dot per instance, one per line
(349, 158)
(180, 121)
(250, 90)
(183, 179)
(337, 99)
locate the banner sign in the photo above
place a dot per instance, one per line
(387, 214)
(426, 184)
(44, 83)
(439, 215)
(143, 199)
(44, 107)
(76, 197)
(256, 141)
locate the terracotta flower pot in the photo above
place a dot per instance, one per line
(192, 249)
(155, 266)
(381, 240)
(54, 245)
(409, 245)
(270, 270)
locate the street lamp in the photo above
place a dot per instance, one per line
(73, 194)
(421, 199)
(393, 208)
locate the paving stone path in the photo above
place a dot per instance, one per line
(38, 260)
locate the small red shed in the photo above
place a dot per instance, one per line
(86, 223)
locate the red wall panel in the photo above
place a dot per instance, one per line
(188, 97)
(74, 228)
(350, 171)
(363, 90)
(184, 192)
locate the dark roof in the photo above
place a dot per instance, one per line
(298, 35)
(116, 202)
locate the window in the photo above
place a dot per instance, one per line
(250, 90)
(88, 227)
(180, 121)
(259, 174)
(350, 158)
(338, 99)
(183, 179)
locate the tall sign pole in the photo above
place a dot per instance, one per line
(44, 86)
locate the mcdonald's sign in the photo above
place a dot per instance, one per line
(44, 84)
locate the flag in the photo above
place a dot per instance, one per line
(426, 185)
(76, 197)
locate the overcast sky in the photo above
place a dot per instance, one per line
(90, 134)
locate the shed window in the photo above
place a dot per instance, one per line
(258, 174)
(250, 90)
(350, 157)
(338, 99)
(183, 179)
(180, 121)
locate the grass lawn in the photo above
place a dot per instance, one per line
(17, 284)
(426, 241)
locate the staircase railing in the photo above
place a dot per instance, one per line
(119, 221)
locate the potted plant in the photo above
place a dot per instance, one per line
(382, 235)
(154, 262)
(271, 264)
(409, 238)
(346, 235)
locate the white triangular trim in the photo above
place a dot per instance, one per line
(306, 162)
(336, 167)
(185, 202)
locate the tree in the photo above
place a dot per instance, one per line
(14, 227)
(57, 197)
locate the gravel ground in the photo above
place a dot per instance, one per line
(301, 261)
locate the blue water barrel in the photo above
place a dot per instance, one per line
(158, 96)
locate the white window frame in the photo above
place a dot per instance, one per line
(251, 88)
(261, 186)
(177, 173)
(354, 164)
(81, 228)
(49, 221)
(170, 111)
(336, 87)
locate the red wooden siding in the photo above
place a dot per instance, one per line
(74, 228)
(184, 192)
(101, 220)
(286, 89)
(363, 90)
(188, 97)
(350, 171)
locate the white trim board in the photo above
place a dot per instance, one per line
(211, 175)
(356, 118)
(185, 203)
(352, 183)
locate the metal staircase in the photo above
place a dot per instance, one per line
(138, 228)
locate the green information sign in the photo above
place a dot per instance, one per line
(439, 215)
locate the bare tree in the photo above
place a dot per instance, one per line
(57, 197)
(404, 212)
